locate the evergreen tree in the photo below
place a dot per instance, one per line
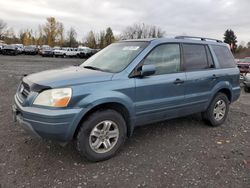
(109, 37)
(230, 38)
(248, 45)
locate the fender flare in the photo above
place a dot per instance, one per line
(94, 100)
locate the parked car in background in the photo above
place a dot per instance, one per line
(45, 46)
(1, 47)
(61, 52)
(11, 49)
(56, 48)
(85, 52)
(128, 84)
(94, 51)
(20, 48)
(244, 65)
(42, 47)
(246, 82)
(47, 51)
(72, 52)
(30, 50)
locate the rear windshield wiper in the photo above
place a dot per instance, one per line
(93, 68)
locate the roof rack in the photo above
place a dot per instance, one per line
(200, 38)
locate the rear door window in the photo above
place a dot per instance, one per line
(195, 57)
(224, 56)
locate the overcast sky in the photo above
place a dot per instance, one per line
(208, 18)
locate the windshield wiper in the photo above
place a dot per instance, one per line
(93, 68)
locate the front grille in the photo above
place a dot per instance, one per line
(23, 91)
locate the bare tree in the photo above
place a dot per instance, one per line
(139, 31)
(41, 39)
(60, 34)
(10, 36)
(3, 26)
(91, 40)
(71, 38)
(102, 39)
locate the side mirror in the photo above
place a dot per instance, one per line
(147, 70)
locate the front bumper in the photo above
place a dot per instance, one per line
(58, 53)
(53, 124)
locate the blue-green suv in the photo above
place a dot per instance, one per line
(130, 83)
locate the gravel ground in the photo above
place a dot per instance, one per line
(178, 153)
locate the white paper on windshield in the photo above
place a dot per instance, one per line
(131, 48)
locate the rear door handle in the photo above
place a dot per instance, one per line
(178, 81)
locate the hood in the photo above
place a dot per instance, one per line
(67, 77)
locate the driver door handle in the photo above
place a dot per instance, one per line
(214, 77)
(178, 81)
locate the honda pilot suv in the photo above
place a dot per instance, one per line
(128, 84)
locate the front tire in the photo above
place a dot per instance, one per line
(101, 136)
(217, 111)
(246, 89)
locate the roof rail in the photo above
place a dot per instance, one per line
(200, 38)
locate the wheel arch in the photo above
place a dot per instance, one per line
(222, 87)
(227, 92)
(117, 106)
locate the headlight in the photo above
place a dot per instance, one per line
(54, 97)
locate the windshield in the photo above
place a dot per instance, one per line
(115, 57)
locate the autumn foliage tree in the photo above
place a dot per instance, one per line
(52, 30)
(27, 37)
(52, 33)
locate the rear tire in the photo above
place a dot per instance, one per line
(217, 111)
(101, 136)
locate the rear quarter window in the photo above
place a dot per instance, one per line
(224, 56)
